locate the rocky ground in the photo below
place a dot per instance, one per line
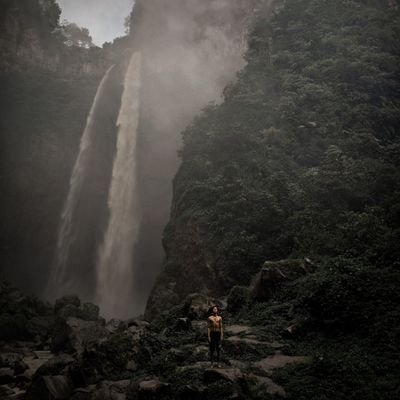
(69, 352)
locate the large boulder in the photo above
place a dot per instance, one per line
(151, 388)
(66, 300)
(274, 273)
(57, 387)
(237, 298)
(74, 334)
(197, 305)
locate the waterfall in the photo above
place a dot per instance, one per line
(114, 269)
(63, 278)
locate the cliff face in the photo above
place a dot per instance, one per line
(190, 51)
(293, 162)
(30, 38)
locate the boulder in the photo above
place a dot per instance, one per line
(74, 334)
(6, 376)
(66, 300)
(115, 390)
(56, 387)
(55, 366)
(274, 273)
(226, 374)
(149, 389)
(197, 305)
(237, 298)
(10, 359)
(182, 325)
(116, 325)
(41, 326)
(89, 312)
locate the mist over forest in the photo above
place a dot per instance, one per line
(159, 159)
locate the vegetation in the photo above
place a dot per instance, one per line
(302, 159)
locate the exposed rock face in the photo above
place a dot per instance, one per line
(210, 44)
(29, 39)
(191, 51)
(273, 274)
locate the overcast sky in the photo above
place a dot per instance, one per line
(104, 18)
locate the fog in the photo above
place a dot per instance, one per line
(104, 18)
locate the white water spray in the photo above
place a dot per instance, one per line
(61, 281)
(115, 264)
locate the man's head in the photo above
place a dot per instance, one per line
(215, 310)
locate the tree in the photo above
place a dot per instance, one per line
(75, 35)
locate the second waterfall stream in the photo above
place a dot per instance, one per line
(114, 269)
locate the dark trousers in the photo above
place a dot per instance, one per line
(215, 340)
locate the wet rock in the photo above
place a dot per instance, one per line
(237, 298)
(107, 359)
(131, 366)
(69, 310)
(115, 390)
(236, 345)
(40, 326)
(182, 325)
(13, 326)
(197, 306)
(278, 361)
(269, 385)
(66, 300)
(192, 392)
(116, 325)
(10, 360)
(5, 391)
(55, 366)
(35, 362)
(6, 376)
(274, 273)
(152, 388)
(83, 393)
(56, 387)
(227, 374)
(89, 312)
(74, 334)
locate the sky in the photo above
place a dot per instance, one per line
(104, 18)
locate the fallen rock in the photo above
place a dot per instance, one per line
(270, 386)
(274, 273)
(113, 390)
(6, 376)
(55, 365)
(74, 334)
(66, 300)
(148, 389)
(56, 387)
(278, 361)
(227, 374)
(237, 298)
(182, 325)
(10, 359)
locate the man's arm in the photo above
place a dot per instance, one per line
(220, 326)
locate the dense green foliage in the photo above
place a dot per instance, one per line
(302, 159)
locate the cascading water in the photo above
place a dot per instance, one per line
(115, 272)
(75, 219)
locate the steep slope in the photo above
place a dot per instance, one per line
(301, 159)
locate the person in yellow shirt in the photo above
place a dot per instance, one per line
(215, 334)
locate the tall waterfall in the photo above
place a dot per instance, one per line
(115, 263)
(75, 220)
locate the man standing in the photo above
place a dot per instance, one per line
(215, 334)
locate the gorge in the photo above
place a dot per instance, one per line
(243, 154)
